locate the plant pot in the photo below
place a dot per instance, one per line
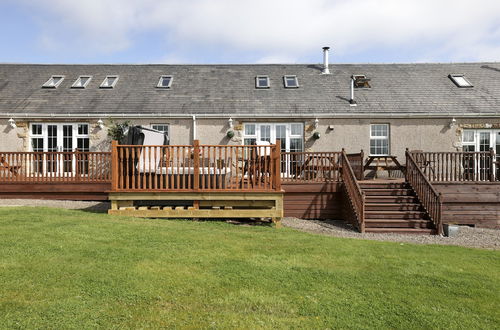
(451, 230)
(316, 135)
(230, 134)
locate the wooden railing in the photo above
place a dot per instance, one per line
(458, 166)
(310, 167)
(196, 168)
(357, 162)
(57, 167)
(430, 199)
(356, 196)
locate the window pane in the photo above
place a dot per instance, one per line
(165, 81)
(296, 129)
(36, 129)
(250, 129)
(379, 147)
(249, 141)
(296, 145)
(291, 82)
(265, 133)
(380, 130)
(83, 129)
(468, 136)
(83, 144)
(37, 144)
(160, 127)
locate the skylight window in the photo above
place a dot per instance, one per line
(53, 82)
(262, 82)
(460, 80)
(165, 82)
(81, 82)
(360, 81)
(291, 81)
(109, 82)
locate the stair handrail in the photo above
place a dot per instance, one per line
(354, 192)
(431, 199)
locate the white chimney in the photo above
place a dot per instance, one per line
(325, 61)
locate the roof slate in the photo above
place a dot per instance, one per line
(230, 89)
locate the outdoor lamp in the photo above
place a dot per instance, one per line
(12, 123)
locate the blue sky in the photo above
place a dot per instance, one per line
(257, 31)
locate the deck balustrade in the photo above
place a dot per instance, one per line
(479, 166)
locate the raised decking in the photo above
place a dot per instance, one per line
(201, 181)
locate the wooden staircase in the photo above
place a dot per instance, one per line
(392, 207)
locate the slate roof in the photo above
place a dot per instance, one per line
(230, 89)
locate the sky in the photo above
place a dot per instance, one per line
(256, 31)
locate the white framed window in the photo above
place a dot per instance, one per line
(160, 127)
(460, 80)
(291, 81)
(291, 135)
(109, 82)
(165, 82)
(53, 82)
(379, 139)
(81, 82)
(262, 82)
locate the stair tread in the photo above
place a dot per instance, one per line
(400, 230)
(394, 212)
(396, 220)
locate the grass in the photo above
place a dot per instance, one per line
(75, 269)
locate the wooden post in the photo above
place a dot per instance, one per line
(277, 165)
(114, 165)
(196, 165)
(492, 165)
(362, 165)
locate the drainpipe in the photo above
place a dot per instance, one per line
(352, 103)
(326, 70)
(194, 127)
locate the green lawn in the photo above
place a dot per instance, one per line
(75, 269)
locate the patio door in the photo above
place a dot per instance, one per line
(481, 140)
(290, 135)
(56, 142)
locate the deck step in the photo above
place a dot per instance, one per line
(377, 185)
(387, 192)
(397, 223)
(420, 231)
(391, 199)
(395, 215)
(392, 206)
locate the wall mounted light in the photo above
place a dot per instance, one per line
(230, 122)
(331, 127)
(453, 122)
(12, 123)
(316, 123)
(100, 124)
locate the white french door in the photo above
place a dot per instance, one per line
(57, 141)
(482, 140)
(290, 135)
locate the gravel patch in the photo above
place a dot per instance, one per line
(72, 205)
(482, 238)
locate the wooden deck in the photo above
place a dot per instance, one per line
(201, 181)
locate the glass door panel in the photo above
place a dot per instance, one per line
(52, 148)
(67, 148)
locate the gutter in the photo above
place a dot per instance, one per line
(251, 115)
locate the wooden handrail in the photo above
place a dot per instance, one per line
(310, 167)
(197, 167)
(55, 167)
(430, 198)
(354, 193)
(464, 166)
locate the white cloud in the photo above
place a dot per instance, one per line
(279, 29)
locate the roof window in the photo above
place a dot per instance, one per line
(360, 81)
(165, 82)
(81, 82)
(109, 82)
(262, 82)
(53, 82)
(460, 80)
(291, 81)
